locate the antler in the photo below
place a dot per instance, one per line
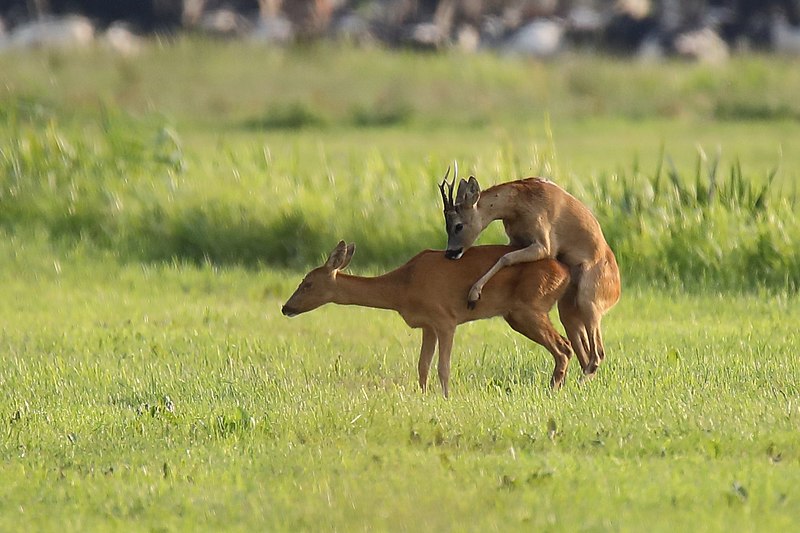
(447, 196)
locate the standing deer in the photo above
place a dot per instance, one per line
(429, 291)
(541, 220)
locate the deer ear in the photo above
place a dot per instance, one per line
(461, 192)
(351, 249)
(472, 191)
(337, 257)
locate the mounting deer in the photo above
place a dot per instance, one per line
(541, 220)
(429, 291)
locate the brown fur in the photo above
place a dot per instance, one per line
(429, 292)
(545, 221)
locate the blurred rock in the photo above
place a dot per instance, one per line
(353, 29)
(119, 38)
(472, 11)
(425, 36)
(493, 30)
(468, 39)
(310, 18)
(635, 9)
(785, 37)
(192, 12)
(516, 14)
(225, 23)
(57, 33)
(754, 24)
(444, 16)
(273, 30)
(585, 19)
(647, 28)
(702, 45)
(269, 8)
(541, 38)
(395, 12)
(585, 25)
(651, 50)
(631, 28)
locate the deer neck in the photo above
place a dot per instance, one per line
(381, 292)
(495, 203)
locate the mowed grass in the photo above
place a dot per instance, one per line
(155, 212)
(172, 397)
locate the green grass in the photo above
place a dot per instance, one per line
(239, 83)
(154, 216)
(165, 397)
(146, 194)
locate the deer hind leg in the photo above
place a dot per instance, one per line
(537, 327)
(574, 324)
(426, 355)
(595, 341)
(598, 291)
(443, 366)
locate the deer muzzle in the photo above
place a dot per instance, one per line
(288, 311)
(454, 254)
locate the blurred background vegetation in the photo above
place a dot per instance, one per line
(240, 151)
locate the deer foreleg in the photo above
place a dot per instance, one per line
(445, 346)
(426, 355)
(534, 252)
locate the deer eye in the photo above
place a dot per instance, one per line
(458, 227)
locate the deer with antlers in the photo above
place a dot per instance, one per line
(541, 220)
(429, 291)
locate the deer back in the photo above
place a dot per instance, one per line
(441, 285)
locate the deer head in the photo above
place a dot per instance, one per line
(319, 285)
(461, 217)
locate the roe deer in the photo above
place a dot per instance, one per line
(541, 220)
(429, 291)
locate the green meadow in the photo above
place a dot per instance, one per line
(156, 211)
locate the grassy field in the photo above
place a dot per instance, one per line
(156, 212)
(172, 397)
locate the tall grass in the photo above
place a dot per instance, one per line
(129, 190)
(711, 228)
